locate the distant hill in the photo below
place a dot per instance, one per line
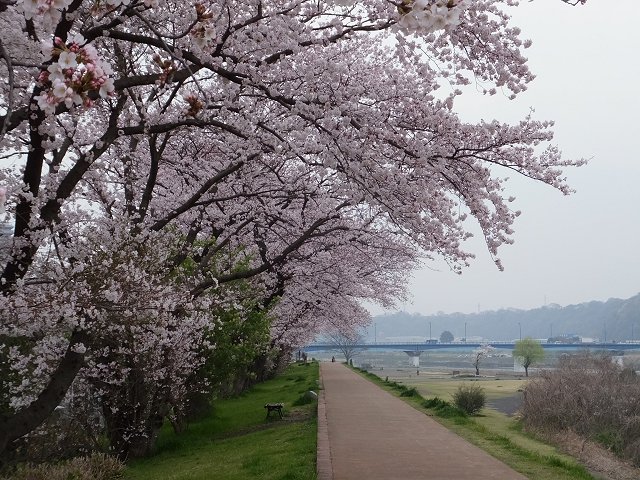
(614, 319)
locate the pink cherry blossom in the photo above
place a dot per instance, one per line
(67, 60)
(180, 159)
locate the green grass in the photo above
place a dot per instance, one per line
(237, 442)
(494, 432)
(446, 387)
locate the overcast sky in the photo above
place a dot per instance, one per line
(567, 249)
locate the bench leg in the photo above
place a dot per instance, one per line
(278, 410)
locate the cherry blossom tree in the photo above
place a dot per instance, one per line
(479, 354)
(159, 150)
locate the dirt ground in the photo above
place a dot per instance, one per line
(602, 464)
(507, 405)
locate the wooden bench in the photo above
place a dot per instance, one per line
(274, 407)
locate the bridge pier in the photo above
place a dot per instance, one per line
(415, 357)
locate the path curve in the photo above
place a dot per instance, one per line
(374, 435)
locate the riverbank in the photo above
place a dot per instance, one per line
(236, 441)
(499, 423)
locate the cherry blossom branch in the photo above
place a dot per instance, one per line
(27, 419)
(11, 81)
(197, 195)
(18, 266)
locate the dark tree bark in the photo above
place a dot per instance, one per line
(28, 419)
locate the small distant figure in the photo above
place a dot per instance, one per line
(333, 359)
(417, 372)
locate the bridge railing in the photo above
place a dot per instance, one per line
(498, 344)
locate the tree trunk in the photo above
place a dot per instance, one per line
(124, 442)
(134, 412)
(28, 419)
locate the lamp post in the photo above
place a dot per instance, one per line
(520, 328)
(465, 332)
(429, 332)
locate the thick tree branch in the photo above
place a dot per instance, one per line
(29, 418)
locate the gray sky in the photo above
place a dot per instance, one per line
(567, 249)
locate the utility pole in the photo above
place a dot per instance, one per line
(520, 327)
(429, 332)
(465, 332)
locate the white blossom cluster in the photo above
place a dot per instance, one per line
(204, 34)
(117, 3)
(77, 71)
(48, 9)
(427, 16)
(204, 31)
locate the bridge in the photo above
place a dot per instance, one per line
(425, 346)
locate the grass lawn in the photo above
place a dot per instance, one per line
(237, 442)
(446, 387)
(494, 432)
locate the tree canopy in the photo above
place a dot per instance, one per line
(446, 337)
(528, 351)
(167, 160)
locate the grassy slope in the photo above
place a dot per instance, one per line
(236, 442)
(499, 435)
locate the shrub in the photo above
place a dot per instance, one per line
(469, 398)
(94, 467)
(435, 402)
(409, 392)
(610, 439)
(451, 411)
(591, 396)
(302, 400)
(443, 408)
(306, 398)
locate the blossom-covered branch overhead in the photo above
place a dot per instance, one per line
(166, 157)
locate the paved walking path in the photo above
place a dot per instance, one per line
(366, 433)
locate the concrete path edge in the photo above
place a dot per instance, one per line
(324, 469)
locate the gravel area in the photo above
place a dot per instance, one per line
(507, 405)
